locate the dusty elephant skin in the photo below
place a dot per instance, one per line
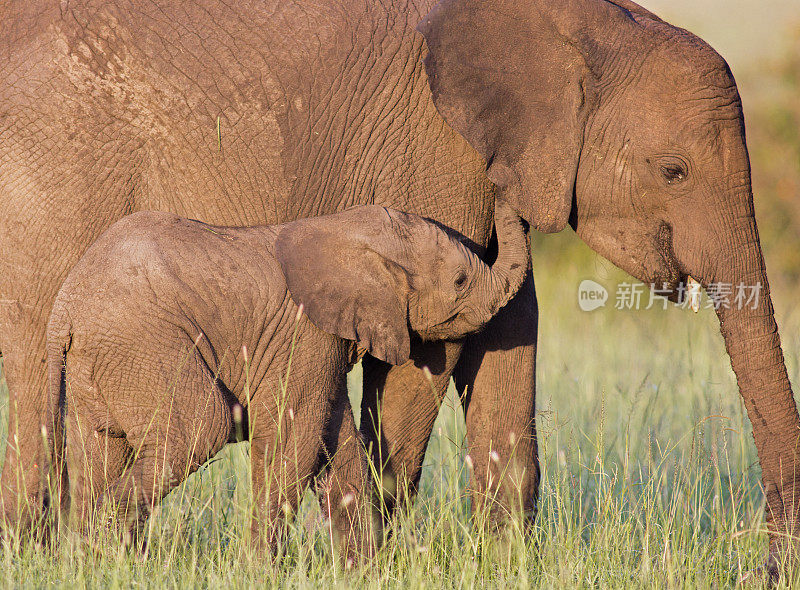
(146, 341)
(588, 112)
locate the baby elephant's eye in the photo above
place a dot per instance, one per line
(461, 280)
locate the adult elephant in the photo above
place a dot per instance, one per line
(588, 112)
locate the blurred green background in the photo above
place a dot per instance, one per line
(741, 30)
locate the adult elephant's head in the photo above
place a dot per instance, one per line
(599, 114)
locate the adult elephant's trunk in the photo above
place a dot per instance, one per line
(503, 279)
(751, 337)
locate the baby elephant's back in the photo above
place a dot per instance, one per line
(154, 260)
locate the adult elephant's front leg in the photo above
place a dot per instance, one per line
(398, 409)
(497, 372)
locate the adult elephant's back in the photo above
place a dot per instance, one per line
(243, 115)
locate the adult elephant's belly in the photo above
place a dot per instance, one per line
(221, 162)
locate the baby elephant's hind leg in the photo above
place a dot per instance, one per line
(190, 423)
(94, 459)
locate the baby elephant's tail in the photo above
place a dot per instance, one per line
(59, 338)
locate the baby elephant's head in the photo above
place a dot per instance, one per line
(372, 275)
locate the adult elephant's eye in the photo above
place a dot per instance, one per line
(461, 280)
(673, 173)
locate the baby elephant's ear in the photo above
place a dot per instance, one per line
(345, 286)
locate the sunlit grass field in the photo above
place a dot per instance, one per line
(649, 476)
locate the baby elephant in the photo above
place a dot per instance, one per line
(171, 338)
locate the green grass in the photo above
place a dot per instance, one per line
(649, 476)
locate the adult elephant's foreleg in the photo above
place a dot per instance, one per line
(496, 375)
(398, 409)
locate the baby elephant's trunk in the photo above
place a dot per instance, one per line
(505, 276)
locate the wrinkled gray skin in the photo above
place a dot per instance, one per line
(588, 112)
(167, 328)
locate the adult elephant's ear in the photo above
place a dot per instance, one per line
(512, 78)
(345, 286)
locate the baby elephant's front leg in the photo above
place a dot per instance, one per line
(344, 491)
(283, 458)
(287, 452)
